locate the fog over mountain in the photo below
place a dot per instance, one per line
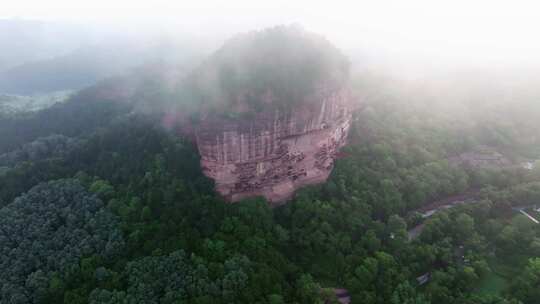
(31, 40)
(48, 56)
(270, 152)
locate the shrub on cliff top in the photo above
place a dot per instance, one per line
(278, 66)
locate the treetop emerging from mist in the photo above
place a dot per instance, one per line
(284, 64)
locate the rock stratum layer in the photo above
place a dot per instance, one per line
(274, 153)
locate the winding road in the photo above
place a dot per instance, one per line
(450, 202)
(441, 204)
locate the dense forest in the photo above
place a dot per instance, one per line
(100, 204)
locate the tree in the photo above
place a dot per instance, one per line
(308, 290)
(397, 230)
(103, 189)
(47, 231)
(464, 226)
(179, 277)
(406, 294)
(526, 286)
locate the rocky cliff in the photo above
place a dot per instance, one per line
(274, 109)
(275, 153)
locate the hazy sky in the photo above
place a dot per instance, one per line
(454, 29)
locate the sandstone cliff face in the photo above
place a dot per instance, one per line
(274, 153)
(271, 109)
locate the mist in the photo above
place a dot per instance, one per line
(468, 31)
(405, 39)
(464, 59)
(272, 152)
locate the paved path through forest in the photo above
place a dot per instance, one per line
(529, 216)
(441, 204)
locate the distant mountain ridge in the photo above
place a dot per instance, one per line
(48, 57)
(25, 41)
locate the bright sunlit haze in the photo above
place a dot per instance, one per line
(447, 32)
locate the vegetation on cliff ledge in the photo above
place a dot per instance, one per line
(277, 67)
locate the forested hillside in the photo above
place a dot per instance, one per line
(101, 204)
